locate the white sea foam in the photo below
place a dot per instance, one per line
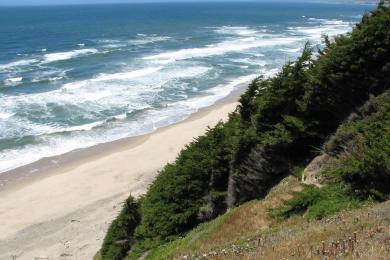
(91, 134)
(236, 30)
(142, 39)
(291, 50)
(115, 93)
(127, 75)
(93, 99)
(85, 137)
(59, 56)
(54, 79)
(221, 48)
(228, 88)
(114, 45)
(164, 62)
(84, 127)
(328, 21)
(331, 28)
(120, 117)
(11, 159)
(108, 41)
(16, 64)
(50, 79)
(13, 81)
(6, 115)
(251, 61)
(316, 19)
(212, 95)
(317, 32)
(114, 76)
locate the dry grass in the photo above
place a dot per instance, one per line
(251, 217)
(247, 220)
(359, 234)
(249, 232)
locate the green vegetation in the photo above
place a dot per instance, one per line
(174, 200)
(119, 238)
(364, 164)
(279, 127)
(317, 203)
(293, 238)
(359, 167)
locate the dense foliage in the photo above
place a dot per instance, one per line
(364, 141)
(279, 126)
(359, 164)
(292, 114)
(317, 203)
(119, 237)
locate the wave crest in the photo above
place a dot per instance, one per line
(59, 56)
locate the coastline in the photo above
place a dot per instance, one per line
(53, 207)
(48, 166)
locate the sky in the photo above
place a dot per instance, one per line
(61, 2)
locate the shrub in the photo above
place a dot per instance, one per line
(119, 237)
(175, 199)
(317, 203)
(360, 168)
(364, 164)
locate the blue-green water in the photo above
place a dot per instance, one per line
(72, 77)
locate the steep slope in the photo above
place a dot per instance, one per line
(357, 234)
(279, 127)
(357, 153)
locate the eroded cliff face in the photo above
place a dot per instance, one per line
(260, 171)
(312, 173)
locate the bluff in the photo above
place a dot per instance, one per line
(334, 104)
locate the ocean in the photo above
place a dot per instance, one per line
(75, 76)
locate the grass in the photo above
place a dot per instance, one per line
(357, 234)
(249, 232)
(317, 203)
(238, 223)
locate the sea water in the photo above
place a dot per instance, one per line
(75, 76)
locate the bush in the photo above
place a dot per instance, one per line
(364, 164)
(119, 237)
(175, 199)
(360, 168)
(317, 203)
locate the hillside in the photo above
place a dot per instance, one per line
(324, 118)
(248, 232)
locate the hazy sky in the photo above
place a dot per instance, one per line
(56, 2)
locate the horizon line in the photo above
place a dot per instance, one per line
(363, 2)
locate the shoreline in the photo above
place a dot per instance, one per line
(62, 206)
(47, 166)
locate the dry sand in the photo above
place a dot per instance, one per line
(63, 211)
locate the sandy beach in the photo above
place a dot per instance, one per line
(60, 208)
